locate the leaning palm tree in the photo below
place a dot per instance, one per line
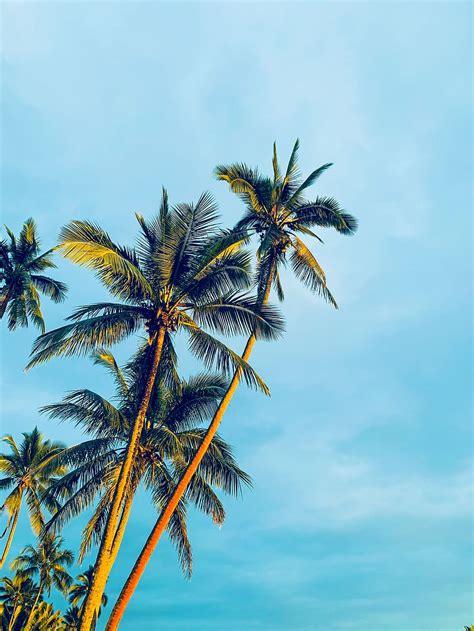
(29, 468)
(277, 211)
(184, 275)
(168, 441)
(21, 278)
(49, 562)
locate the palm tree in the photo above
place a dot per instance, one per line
(167, 443)
(21, 267)
(72, 618)
(29, 468)
(78, 593)
(17, 595)
(276, 210)
(49, 562)
(185, 274)
(46, 618)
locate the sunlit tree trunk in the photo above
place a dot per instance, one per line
(30, 617)
(10, 537)
(163, 520)
(127, 507)
(104, 559)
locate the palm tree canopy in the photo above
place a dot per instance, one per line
(29, 468)
(184, 274)
(48, 561)
(168, 441)
(279, 212)
(22, 279)
(19, 590)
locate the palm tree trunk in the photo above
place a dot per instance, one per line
(104, 559)
(127, 507)
(10, 538)
(30, 617)
(163, 520)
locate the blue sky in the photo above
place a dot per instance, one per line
(361, 512)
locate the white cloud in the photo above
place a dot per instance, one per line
(311, 480)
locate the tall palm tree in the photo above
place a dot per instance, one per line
(21, 278)
(49, 562)
(29, 468)
(167, 443)
(277, 211)
(183, 275)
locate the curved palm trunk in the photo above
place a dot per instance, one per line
(16, 609)
(163, 520)
(10, 538)
(104, 559)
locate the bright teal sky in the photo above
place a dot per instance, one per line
(361, 515)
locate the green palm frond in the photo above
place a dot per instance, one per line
(215, 354)
(84, 336)
(50, 287)
(307, 269)
(88, 245)
(235, 314)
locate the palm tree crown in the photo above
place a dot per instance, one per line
(167, 442)
(277, 210)
(21, 278)
(184, 274)
(29, 468)
(48, 561)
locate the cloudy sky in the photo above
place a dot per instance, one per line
(361, 512)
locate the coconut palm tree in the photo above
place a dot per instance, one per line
(277, 211)
(29, 468)
(72, 618)
(79, 590)
(167, 443)
(183, 275)
(17, 595)
(78, 593)
(21, 278)
(49, 562)
(46, 618)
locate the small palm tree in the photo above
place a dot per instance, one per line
(46, 618)
(184, 275)
(167, 443)
(79, 590)
(21, 279)
(49, 562)
(29, 468)
(72, 618)
(17, 595)
(277, 211)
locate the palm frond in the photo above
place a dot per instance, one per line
(307, 269)
(214, 353)
(50, 287)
